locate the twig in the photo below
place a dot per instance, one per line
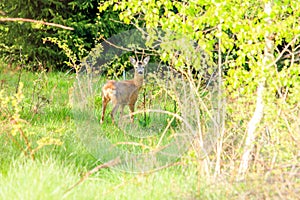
(105, 165)
(17, 143)
(14, 122)
(165, 131)
(283, 51)
(8, 19)
(116, 46)
(129, 49)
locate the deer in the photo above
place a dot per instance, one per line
(125, 92)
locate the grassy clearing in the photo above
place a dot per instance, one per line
(48, 114)
(58, 167)
(51, 178)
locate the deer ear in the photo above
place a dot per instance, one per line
(146, 60)
(132, 60)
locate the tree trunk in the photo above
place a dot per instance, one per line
(258, 113)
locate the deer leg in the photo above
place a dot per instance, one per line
(104, 104)
(131, 108)
(121, 113)
(114, 110)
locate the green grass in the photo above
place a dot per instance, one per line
(51, 179)
(85, 144)
(57, 167)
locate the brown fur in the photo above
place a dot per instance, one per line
(122, 93)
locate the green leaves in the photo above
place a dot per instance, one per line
(28, 37)
(241, 36)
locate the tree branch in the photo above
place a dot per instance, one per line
(8, 19)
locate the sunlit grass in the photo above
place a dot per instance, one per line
(51, 179)
(86, 144)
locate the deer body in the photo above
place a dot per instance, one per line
(122, 93)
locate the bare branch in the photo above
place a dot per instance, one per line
(8, 19)
(116, 46)
(105, 165)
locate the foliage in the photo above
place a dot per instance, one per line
(14, 127)
(233, 34)
(25, 98)
(28, 39)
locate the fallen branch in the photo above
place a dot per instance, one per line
(7, 19)
(105, 165)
